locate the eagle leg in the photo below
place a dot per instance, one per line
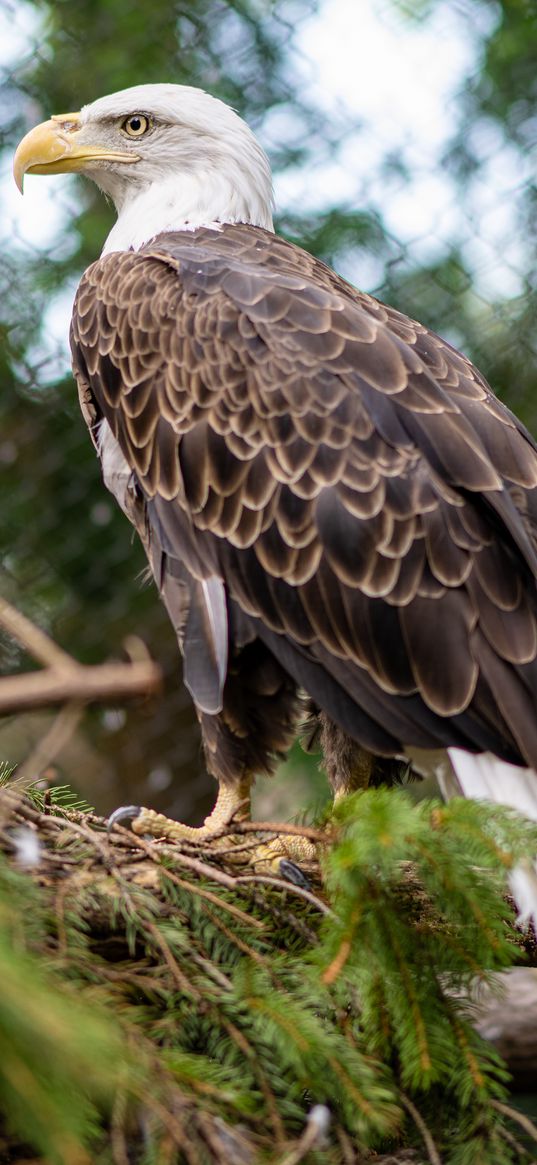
(284, 856)
(289, 856)
(233, 801)
(347, 765)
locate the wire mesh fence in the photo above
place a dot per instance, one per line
(419, 189)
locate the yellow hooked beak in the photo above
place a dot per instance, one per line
(54, 147)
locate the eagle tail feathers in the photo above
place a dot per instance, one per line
(482, 776)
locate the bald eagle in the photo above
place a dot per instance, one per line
(331, 499)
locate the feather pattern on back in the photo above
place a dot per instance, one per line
(341, 474)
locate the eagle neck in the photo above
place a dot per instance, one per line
(185, 203)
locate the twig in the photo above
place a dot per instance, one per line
(345, 1144)
(119, 1142)
(170, 1122)
(203, 868)
(95, 840)
(511, 1140)
(518, 1117)
(242, 945)
(201, 892)
(46, 749)
(213, 972)
(283, 915)
(194, 864)
(432, 1151)
(182, 983)
(211, 872)
(148, 983)
(281, 885)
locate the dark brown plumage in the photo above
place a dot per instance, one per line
(330, 497)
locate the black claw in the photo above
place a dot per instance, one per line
(124, 813)
(292, 873)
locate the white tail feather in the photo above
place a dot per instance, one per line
(483, 776)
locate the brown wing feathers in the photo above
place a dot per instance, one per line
(368, 503)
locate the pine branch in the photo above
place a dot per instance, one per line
(190, 1014)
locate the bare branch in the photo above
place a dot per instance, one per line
(432, 1151)
(36, 641)
(519, 1118)
(62, 679)
(46, 749)
(79, 683)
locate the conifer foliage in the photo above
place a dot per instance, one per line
(163, 1004)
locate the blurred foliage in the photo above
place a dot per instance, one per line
(68, 555)
(506, 87)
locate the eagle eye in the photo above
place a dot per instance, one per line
(136, 125)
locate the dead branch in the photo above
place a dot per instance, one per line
(62, 679)
(60, 732)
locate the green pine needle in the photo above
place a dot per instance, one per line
(148, 1006)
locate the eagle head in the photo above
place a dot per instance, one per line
(169, 156)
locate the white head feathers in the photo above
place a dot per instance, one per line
(197, 163)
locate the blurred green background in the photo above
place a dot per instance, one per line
(415, 180)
